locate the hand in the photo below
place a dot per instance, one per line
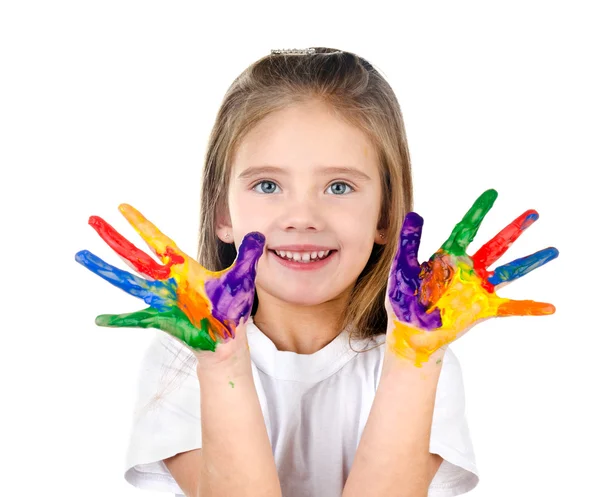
(432, 304)
(199, 307)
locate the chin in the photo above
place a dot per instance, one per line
(303, 298)
(300, 295)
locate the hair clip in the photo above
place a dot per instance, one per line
(292, 51)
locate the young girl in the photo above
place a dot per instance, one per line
(313, 369)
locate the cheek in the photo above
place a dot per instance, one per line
(353, 223)
(248, 215)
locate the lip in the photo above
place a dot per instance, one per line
(303, 266)
(301, 248)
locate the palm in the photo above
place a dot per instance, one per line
(201, 308)
(434, 303)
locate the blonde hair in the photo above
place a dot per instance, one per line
(357, 93)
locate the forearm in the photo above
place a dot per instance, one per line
(237, 455)
(393, 457)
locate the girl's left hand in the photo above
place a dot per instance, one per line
(430, 305)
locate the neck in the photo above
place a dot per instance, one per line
(299, 328)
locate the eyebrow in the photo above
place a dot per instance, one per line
(258, 170)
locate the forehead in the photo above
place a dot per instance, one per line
(305, 134)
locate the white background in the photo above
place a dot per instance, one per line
(110, 102)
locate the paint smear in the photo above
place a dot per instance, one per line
(439, 300)
(199, 307)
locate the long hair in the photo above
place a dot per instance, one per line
(357, 93)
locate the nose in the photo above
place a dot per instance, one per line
(302, 215)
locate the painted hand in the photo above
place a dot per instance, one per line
(432, 304)
(201, 308)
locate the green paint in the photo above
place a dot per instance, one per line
(464, 232)
(232, 384)
(438, 361)
(174, 322)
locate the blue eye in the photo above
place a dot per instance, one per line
(342, 183)
(261, 182)
(273, 183)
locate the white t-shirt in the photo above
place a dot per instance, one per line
(315, 408)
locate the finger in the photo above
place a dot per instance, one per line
(159, 243)
(232, 293)
(138, 319)
(436, 277)
(404, 273)
(525, 308)
(159, 294)
(520, 267)
(137, 259)
(403, 282)
(493, 250)
(251, 249)
(464, 232)
(172, 321)
(406, 261)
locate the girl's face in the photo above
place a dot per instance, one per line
(301, 200)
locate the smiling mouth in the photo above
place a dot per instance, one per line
(331, 252)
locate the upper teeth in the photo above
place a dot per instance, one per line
(303, 256)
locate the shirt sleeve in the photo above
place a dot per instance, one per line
(450, 436)
(166, 419)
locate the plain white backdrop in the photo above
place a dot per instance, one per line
(110, 102)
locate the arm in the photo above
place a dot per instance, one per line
(237, 458)
(430, 305)
(204, 310)
(393, 457)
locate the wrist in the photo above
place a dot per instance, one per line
(232, 362)
(407, 345)
(403, 358)
(234, 353)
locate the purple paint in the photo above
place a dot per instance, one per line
(404, 282)
(232, 295)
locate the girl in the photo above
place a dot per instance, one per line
(309, 367)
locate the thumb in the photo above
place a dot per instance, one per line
(232, 294)
(251, 249)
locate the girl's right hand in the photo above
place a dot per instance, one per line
(203, 309)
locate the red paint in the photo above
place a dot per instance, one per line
(303, 266)
(141, 261)
(495, 248)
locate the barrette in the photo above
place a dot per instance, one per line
(292, 51)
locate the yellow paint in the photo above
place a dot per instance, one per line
(464, 303)
(189, 274)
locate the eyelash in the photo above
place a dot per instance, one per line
(271, 181)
